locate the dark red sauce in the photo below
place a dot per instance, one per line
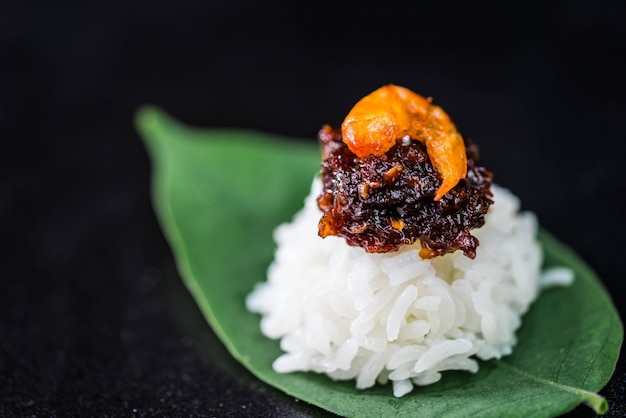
(383, 202)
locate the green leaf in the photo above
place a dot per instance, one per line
(219, 193)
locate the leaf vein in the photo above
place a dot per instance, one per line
(594, 400)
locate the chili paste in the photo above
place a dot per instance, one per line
(381, 202)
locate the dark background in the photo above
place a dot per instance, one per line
(94, 320)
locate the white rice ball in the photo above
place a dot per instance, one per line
(396, 317)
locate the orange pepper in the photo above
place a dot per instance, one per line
(388, 114)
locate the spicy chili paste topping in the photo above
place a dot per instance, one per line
(385, 200)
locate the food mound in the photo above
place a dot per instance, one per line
(366, 281)
(381, 202)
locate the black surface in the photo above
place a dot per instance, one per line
(94, 320)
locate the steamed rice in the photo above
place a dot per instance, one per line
(376, 318)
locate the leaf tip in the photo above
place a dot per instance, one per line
(147, 118)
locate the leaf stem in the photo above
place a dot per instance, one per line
(593, 400)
